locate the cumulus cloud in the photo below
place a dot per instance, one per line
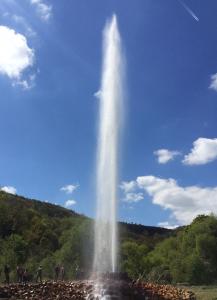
(9, 189)
(70, 203)
(70, 188)
(133, 197)
(165, 155)
(213, 84)
(185, 203)
(204, 151)
(44, 10)
(15, 57)
(128, 189)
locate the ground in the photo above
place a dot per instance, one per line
(204, 292)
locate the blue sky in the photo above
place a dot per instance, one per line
(50, 68)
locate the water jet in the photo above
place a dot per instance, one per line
(110, 117)
(110, 121)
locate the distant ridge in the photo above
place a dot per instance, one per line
(144, 229)
(42, 207)
(57, 211)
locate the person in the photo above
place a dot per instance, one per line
(76, 272)
(25, 276)
(62, 272)
(57, 272)
(7, 273)
(20, 274)
(39, 274)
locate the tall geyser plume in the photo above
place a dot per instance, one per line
(110, 119)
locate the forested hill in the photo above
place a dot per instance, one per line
(19, 209)
(34, 232)
(44, 208)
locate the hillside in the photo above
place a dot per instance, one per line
(34, 232)
(44, 208)
(22, 208)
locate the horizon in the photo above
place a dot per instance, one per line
(50, 73)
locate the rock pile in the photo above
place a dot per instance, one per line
(44, 291)
(164, 292)
(86, 290)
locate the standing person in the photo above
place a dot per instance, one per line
(76, 272)
(57, 272)
(7, 273)
(25, 276)
(39, 274)
(62, 273)
(20, 274)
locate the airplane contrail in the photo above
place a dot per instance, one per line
(189, 10)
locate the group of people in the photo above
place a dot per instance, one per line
(23, 276)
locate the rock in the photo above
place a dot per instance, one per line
(81, 290)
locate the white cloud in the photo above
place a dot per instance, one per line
(203, 151)
(24, 24)
(70, 203)
(185, 203)
(213, 84)
(19, 20)
(9, 189)
(133, 197)
(70, 188)
(128, 186)
(167, 225)
(44, 10)
(98, 94)
(164, 155)
(26, 84)
(15, 56)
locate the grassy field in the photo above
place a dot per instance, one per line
(204, 292)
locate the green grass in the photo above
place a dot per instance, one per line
(204, 292)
